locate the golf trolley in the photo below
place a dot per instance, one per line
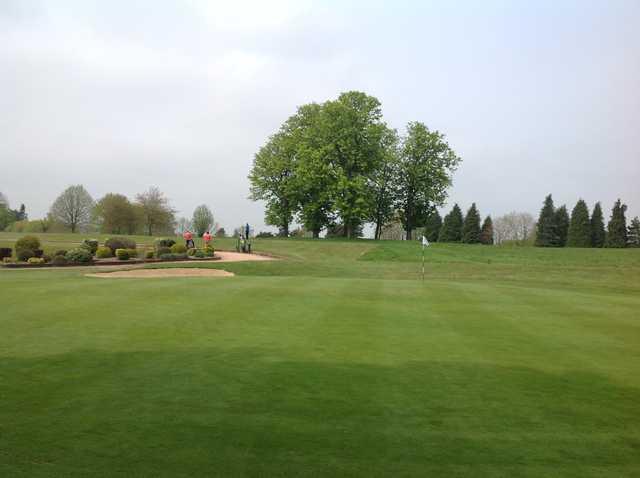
(243, 244)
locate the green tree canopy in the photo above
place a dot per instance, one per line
(433, 225)
(633, 234)
(617, 226)
(452, 226)
(597, 227)
(202, 220)
(546, 229)
(73, 208)
(426, 165)
(562, 225)
(155, 212)
(580, 226)
(115, 214)
(486, 234)
(471, 226)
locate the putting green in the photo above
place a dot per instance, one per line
(337, 361)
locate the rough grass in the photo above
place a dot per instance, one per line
(337, 361)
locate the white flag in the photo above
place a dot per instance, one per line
(425, 243)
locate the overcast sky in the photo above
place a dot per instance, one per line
(535, 96)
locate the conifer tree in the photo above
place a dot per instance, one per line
(471, 226)
(486, 234)
(546, 229)
(562, 225)
(452, 226)
(633, 235)
(617, 226)
(432, 226)
(597, 227)
(580, 226)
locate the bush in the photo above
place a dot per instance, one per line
(209, 251)
(200, 254)
(173, 257)
(178, 249)
(46, 257)
(24, 255)
(148, 255)
(132, 252)
(36, 260)
(114, 243)
(59, 261)
(162, 250)
(38, 252)
(5, 252)
(78, 256)
(122, 254)
(103, 252)
(165, 242)
(61, 252)
(191, 252)
(27, 242)
(91, 245)
(8, 260)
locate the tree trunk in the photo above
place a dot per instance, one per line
(316, 233)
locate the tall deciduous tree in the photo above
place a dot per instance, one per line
(452, 226)
(597, 227)
(382, 183)
(73, 208)
(433, 225)
(486, 234)
(471, 226)
(202, 219)
(562, 225)
(580, 226)
(115, 214)
(547, 229)
(352, 133)
(156, 213)
(426, 165)
(272, 177)
(617, 226)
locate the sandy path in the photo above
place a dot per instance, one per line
(154, 273)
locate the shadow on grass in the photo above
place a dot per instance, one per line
(248, 413)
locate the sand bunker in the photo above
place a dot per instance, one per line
(154, 273)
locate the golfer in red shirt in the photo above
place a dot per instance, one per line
(207, 238)
(189, 238)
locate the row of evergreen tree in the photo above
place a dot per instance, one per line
(458, 228)
(555, 228)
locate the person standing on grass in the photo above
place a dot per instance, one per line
(206, 237)
(188, 237)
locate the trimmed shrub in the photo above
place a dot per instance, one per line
(91, 245)
(8, 260)
(59, 261)
(122, 254)
(178, 249)
(148, 255)
(162, 250)
(200, 254)
(5, 252)
(103, 252)
(191, 252)
(24, 255)
(164, 242)
(27, 242)
(132, 252)
(114, 243)
(78, 256)
(173, 257)
(38, 252)
(61, 252)
(209, 251)
(46, 257)
(36, 260)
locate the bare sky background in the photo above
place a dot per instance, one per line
(536, 97)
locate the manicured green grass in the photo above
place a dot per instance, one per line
(336, 361)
